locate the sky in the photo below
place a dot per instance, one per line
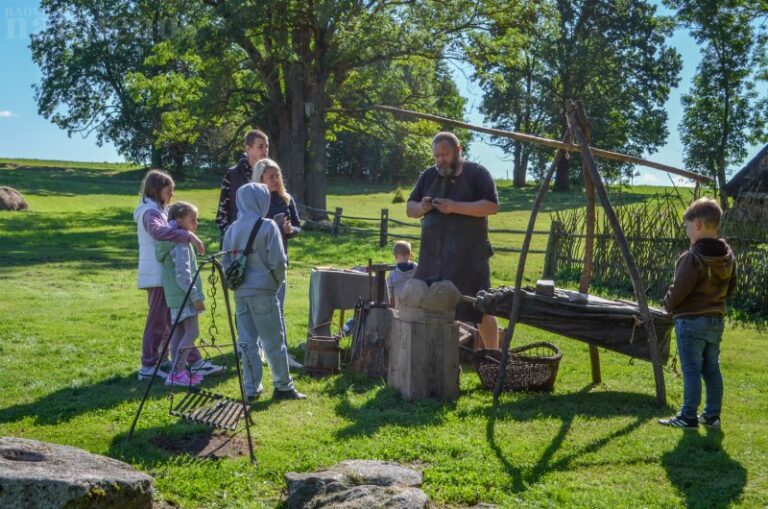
(25, 134)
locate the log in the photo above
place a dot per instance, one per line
(605, 154)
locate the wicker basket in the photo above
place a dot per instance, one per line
(530, 368)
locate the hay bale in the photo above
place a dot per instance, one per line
(11, 199)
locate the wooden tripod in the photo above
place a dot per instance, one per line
(579, 131)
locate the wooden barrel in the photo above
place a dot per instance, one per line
(323, 356)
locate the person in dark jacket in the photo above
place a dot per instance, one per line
(704, 277)
(256, 148)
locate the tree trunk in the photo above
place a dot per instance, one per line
(293, 135)
(518, 178)
(563, 175)
(318, 153)
(156, 157)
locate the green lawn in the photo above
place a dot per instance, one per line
(70, 330)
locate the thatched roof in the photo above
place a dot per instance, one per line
(752, 179)
(10, 199)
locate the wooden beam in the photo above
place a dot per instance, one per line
(528, 138)
(509, 332)
(621, 241)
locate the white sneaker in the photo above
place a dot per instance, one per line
(205, 368)
(293, 363)
(146, 371)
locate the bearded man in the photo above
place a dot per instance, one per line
(454, 199)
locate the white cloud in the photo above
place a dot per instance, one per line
(7, 114)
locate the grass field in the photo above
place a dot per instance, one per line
(71, 321)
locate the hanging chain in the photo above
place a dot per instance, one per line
(213, 330)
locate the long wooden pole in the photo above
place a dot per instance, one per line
(517, 300)
(621, 241)
(589, 245)
(605, 154)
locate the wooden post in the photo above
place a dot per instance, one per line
(517, 302)
(589, 242)
(553, 243)
(336, 221)
(621, 241)
(383, 228)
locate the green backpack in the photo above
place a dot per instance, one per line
(235, 273)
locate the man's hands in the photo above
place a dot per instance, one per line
(426, 204)
(199, 306)
(444, 205)
(197, 243)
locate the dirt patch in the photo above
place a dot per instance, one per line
(203, 445)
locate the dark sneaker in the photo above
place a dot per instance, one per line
(679, 421)
(710, 421)
(290, 394)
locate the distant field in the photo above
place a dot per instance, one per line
(70, 329)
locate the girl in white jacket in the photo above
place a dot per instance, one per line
(152, 225)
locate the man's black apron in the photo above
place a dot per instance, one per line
(455, 247)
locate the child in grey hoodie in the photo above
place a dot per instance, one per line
(256, 304)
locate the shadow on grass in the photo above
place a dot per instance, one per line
(703, 472)
(156, 446)
(65, 181)
(67, 403)
(380, 405)
(566, 407)
(107, 239)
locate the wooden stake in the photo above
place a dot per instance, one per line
(518, 299)
(589, 244)
(621, 241)
(605, 154)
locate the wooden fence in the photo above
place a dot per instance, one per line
(382, 226)
(656, 239)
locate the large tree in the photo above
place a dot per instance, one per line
(723, 112)
(305, 52)
(611, 55)
(85, 50)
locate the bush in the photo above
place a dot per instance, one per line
(399, 198)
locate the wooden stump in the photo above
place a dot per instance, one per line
(371, 349)
(424, 353)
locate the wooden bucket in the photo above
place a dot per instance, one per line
(323, 356)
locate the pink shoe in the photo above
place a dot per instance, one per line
(182, 378)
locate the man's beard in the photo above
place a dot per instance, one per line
(450, 169)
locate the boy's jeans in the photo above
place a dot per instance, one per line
(258, 317)
(698, 344)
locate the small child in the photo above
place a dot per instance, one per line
(705, 275)
(179, 267)
(405, 270)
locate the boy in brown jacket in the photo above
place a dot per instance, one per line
(705, 275)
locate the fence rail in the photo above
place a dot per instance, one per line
(385, 223)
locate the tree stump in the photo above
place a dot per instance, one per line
(371, 350)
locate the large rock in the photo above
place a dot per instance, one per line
(11, 199)
(357, 484)
(39, 475)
